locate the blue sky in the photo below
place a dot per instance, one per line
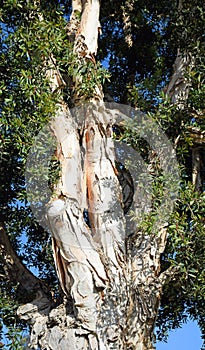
(186, 338)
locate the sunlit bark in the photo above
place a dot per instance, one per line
(111, 282)
(196, 169)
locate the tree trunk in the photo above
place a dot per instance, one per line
(179, 85)
(111, 282)
(196, 169)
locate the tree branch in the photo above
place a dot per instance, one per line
(15, 271)
(178, 88)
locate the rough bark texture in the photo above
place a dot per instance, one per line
(127, 8)
(112, 283)
(145, 288)
(179, 85)
(178, 91)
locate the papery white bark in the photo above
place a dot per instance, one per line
(111, 282)
(89, 25)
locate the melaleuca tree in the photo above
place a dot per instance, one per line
(153, 55)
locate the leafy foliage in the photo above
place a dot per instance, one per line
(137, 76)
(185, 296)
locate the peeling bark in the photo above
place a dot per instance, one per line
(112, 283)
(90, 261)
(179, 85)
(89, 24)
(77, 259)
(84, 23)
(146, 288)
(178, 91)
